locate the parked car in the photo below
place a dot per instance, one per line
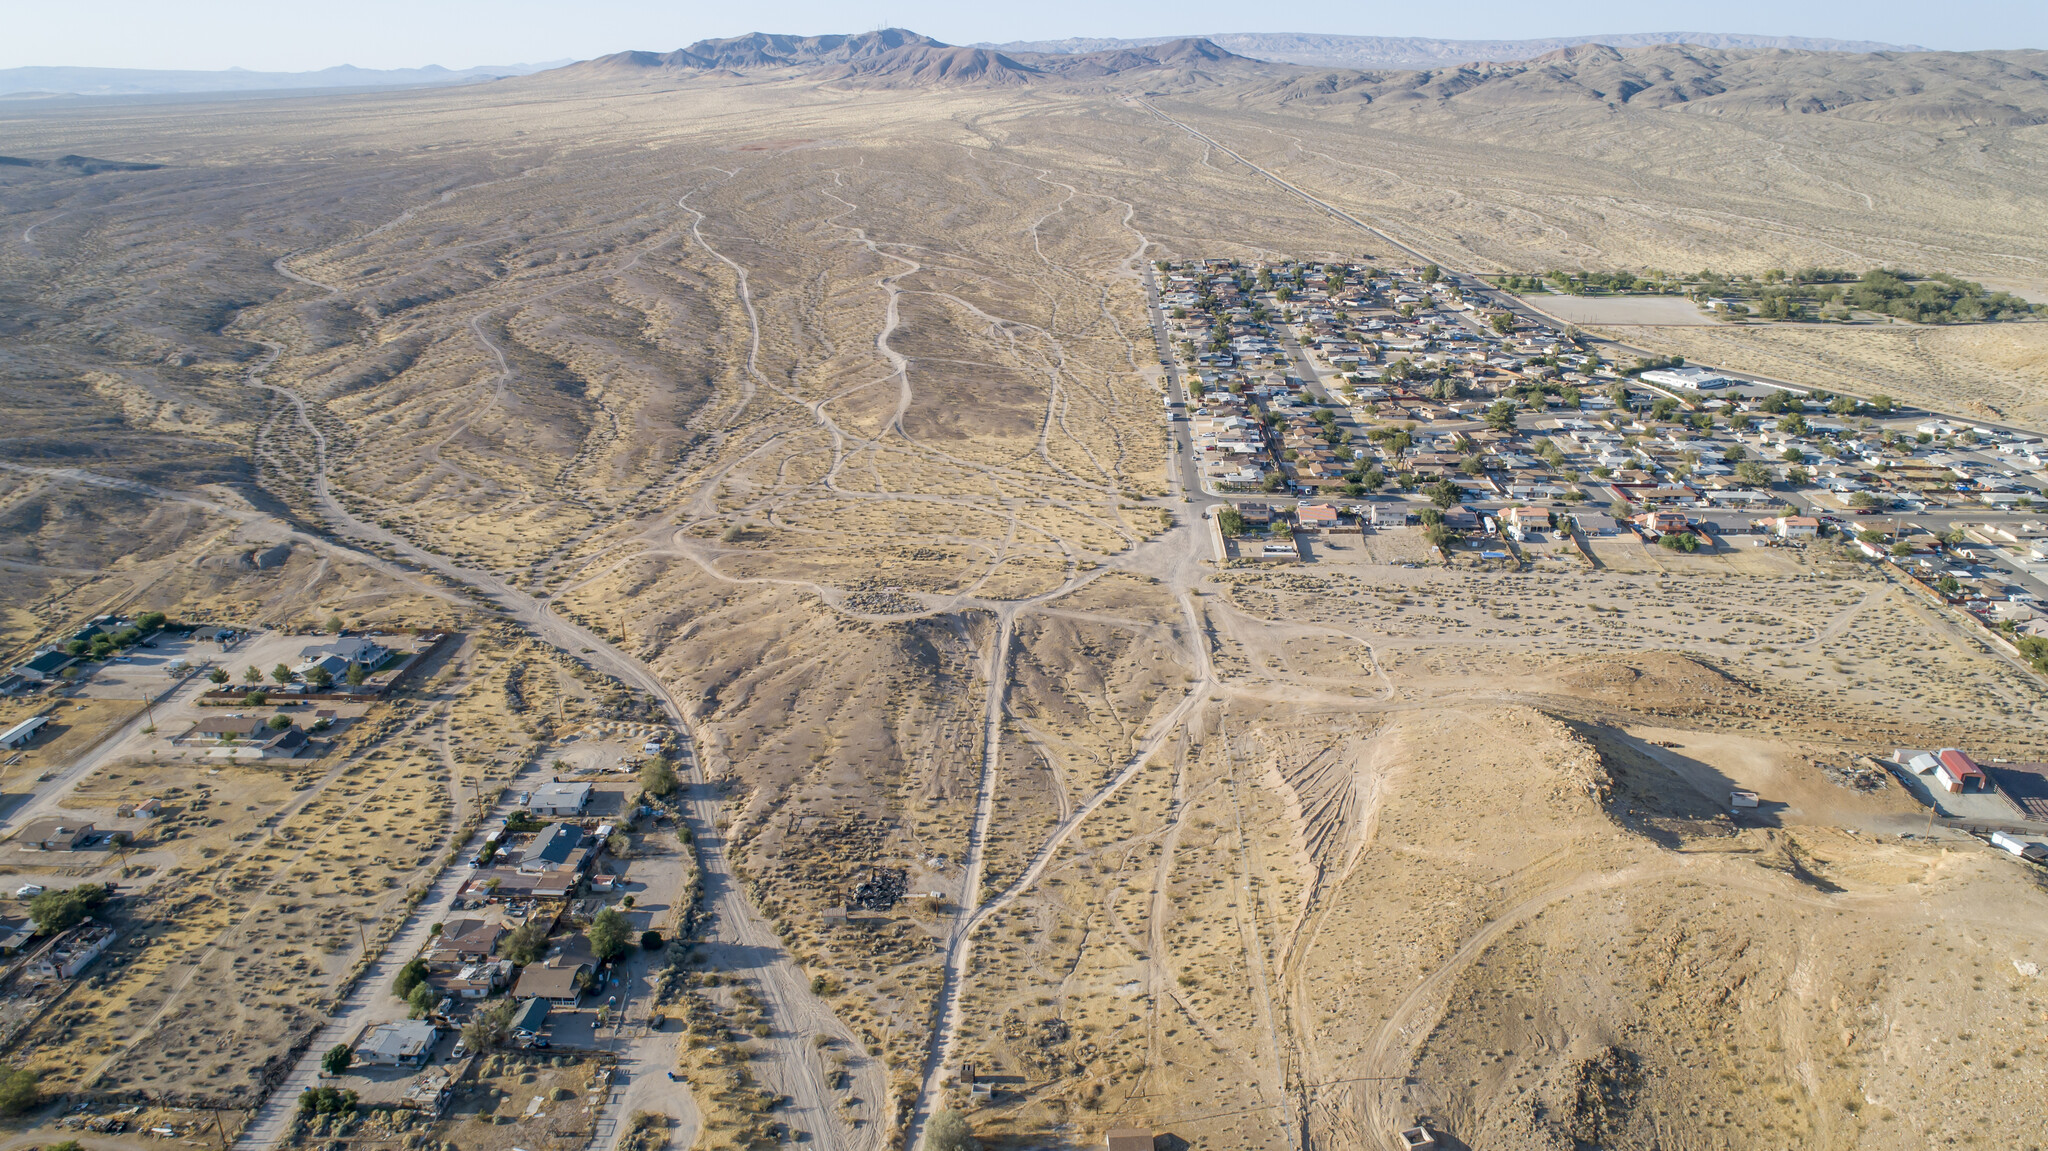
(29, 890)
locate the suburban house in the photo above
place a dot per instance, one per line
(554, 848)
(336, 657)
(44, 668)
(474, 980)
(1957, 771)
(1660, 522)
(1316, 516)
(508, 883)
(243, 737)
(57, 835)
(560, 799)
(1797, 527)
(560, 977)
(527, 1021)
(1595, 524)
(409, 1043)
(22, 734)
(465, 940)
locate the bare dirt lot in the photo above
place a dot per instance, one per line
(1658, 311)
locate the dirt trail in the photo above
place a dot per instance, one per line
(740, 940)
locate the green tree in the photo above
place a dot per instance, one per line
(1664, 408)
(320, 678)
(609, 933)
(488, 1026)
(1500, 416)
(337, 1059)
(1754, 474)
(218, 675)
(18, 1092)
(279, 722)
(526, 943)
(1791, 455)
(1862, 500)
(334, 625)
(1502, 322)
(151, 620)
(356, 675)
(1445, 494)
(948, 1131)
(1230, 520)
(422, 1000)
(409, 977)
(54, 910)
(281, 674)
(251, 675)
(658, 777)
(650, 940)
(1881, 402)
(1431, 273)
(1734, 454)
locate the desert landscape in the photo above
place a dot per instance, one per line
(771, 432)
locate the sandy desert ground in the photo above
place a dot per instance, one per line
(831, 411)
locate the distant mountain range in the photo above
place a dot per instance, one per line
(1417, 52)
(1936, 90)
(896, 57)
(24, 82)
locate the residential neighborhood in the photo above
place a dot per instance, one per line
(1355, 396)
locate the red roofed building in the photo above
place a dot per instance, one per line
(1316, 516)
(1957, 771)
(1662, 522)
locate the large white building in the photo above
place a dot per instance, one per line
(1689, 379)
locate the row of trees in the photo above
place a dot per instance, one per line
(102, 644)
(319, 677)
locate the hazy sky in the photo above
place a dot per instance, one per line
(286, 36)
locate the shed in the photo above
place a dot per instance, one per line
(1127, 1139)
(24, 733)
(1957, 771)
(2015, 845)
